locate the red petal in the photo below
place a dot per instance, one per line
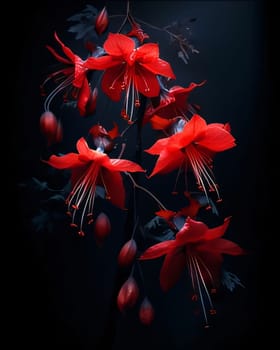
(112, 82)
(158, 146)
(217, 139)
(123, 165)
(192, 130)
(80, 73)
(222, 246)
(168, 161)
(98, 130)
(181, 94)
(218, 231)
(159, 67)
(192, 231)
(147, 53)
(113, 184)
(58, 57)
(83, 98)
(113, 133)
(191, 210)
(118, 45)
(101, 21)
(210, 265)
(100, 63)
(68, 52)
(157, 250)
(66, 161)
(166, 214)
(146, 82)
(83, 148)
(172, 268)
(159, 123)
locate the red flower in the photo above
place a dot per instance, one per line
(136, 31)
(75, 75)
(201, 250)
(102, 138)
(193, 148)
(130, 68)
(91, 168)
(173, 103)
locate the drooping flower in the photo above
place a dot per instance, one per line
(89, 169)
(173, 103)
(102, 138)
(193, 148)
(130, 69)
(199, 249)
(136, 30)
(73, 78)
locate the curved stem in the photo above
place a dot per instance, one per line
(135, 184)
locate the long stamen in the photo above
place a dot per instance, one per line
(189, 263)
(89, 194)
(202, 171)
(112, 87)
(204, 285)
(208, 273)
(59, 88)
(104, 185)
(199, 290)
(83, 193)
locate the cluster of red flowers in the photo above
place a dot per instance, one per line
(132, 68)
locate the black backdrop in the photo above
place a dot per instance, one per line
(57, 302)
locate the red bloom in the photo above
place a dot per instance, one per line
(91, 168)
(201, 250)
(130, 68)
(75, 75)
(173, 103)
(136, 31)
(102, 138)
(193, 148)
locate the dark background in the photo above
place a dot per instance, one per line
(63, 285)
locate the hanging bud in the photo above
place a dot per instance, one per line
(50, 127)
(127, 253)
(101, 21)
(128, 294)
(146, 312)
(102, 227)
